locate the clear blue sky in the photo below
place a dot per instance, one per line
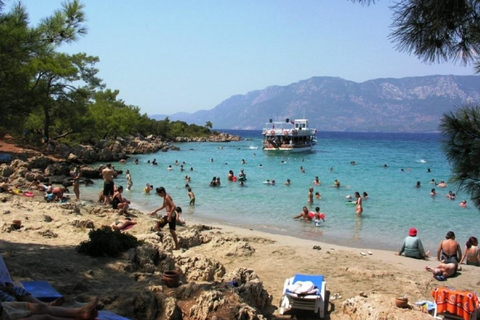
(183, 56)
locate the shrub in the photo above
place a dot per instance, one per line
(107, 242)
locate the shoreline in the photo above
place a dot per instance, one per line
(380, 276)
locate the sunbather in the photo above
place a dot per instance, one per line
(122, 224)
(444, 269)
(38, 311)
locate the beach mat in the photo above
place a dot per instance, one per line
(109, 315)
(42, 290)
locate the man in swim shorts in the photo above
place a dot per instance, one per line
(108, 185)
(171, 213)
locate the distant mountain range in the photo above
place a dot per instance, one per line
(414, 104)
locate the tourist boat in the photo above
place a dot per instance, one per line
(289, 136)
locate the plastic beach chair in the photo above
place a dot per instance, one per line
(109, 315)
(314, 302)
(42, 290)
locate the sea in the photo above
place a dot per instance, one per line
(385, 165)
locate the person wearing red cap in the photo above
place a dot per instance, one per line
(413, 247)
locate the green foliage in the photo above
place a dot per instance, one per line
(106, 242)
(437, 30)
(59, 93)
(461, 131)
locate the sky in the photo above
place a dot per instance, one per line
(169, 56)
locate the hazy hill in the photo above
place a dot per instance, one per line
(333, 104)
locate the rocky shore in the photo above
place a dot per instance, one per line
(108, 150)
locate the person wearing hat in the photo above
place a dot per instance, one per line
(412, 246)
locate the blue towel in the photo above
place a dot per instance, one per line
(42, 290)
(109, 315)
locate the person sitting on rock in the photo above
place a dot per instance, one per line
(118, 202)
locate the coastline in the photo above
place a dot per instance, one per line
(381, 275)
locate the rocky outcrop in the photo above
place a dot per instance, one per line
(218, 137)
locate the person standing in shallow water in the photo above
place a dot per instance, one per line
(310, 195)
(77, 174)
(358, 203)
(129, 180)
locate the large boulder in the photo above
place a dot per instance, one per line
(200, 268)
(39, 163)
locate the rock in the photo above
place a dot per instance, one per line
(57, 169)
(39, 163)
(87, 224)
(200, 268)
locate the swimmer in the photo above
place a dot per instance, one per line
(287, 183)
(442, 184)
(418, 185)
(319, 215)
(463, 203)
(450, 195)
(318, 195)
(303, 214)
(365, 195)
(147, 188)
(230, 175)
(317, 181)
(302, 169)
(336, 183)
(433, 193)
(169, 167)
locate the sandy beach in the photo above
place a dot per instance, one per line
(45, 248)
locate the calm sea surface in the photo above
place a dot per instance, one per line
(394, 204)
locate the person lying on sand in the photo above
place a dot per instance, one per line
(122, 224)
(27, 310)
(444, 269)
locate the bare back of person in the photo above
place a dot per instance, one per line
(108, 174)
(449, 247)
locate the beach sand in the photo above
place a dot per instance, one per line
(46, 250)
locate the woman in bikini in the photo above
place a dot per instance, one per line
(471, 254)
(358, 203)
(449, 249)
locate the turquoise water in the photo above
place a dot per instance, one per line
(394, 204)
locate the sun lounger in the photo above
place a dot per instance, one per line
(42, 290)
(4, 274)
(109, 315)
(303, 297)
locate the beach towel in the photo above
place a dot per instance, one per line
(303, 288)
(457, 302)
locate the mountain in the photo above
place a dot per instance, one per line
(414, 104)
